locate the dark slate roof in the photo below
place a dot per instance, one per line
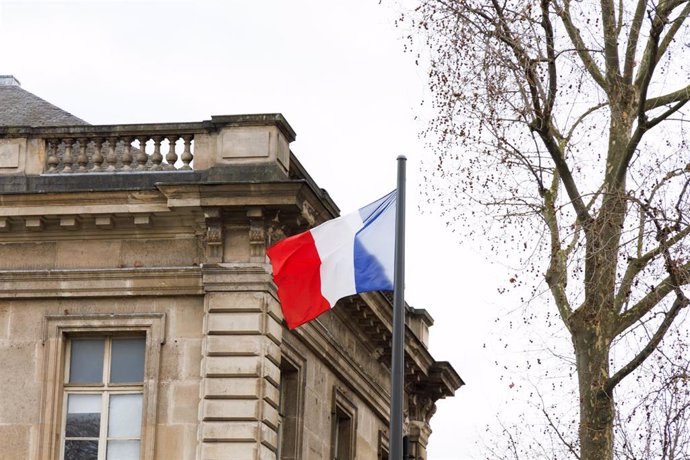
(19, 107)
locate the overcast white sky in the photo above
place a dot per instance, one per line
(338, 73)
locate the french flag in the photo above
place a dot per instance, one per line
(341, 257)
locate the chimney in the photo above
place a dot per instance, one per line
(9, 80)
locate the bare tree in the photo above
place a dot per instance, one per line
(569, 115)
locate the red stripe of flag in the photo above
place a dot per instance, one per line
(296, 272)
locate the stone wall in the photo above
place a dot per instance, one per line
(26, 384)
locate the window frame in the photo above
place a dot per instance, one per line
(105, 389)
(292, 359)
(384, 449)
(57, 332)
(343, 404)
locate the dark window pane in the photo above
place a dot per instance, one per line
(81, 450)
(83, 416)
(86, 362)
(127, 361)
(343, 435)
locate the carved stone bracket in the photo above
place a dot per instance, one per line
(214, 235)
(257, 235)
(422, 407)
(308, 213)
(274, 231)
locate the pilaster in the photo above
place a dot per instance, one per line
(240, 367)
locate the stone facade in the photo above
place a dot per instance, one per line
(107, 232)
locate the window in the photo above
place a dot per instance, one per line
(383, 454)
(342, 435)
(383, 446)
(99, 395)
(290, 404)
(343, 427)
(103, 397)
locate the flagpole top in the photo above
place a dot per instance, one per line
(402, 157)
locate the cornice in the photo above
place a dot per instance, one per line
(156, 281)
(237, 277)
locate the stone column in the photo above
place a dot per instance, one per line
(240, 365)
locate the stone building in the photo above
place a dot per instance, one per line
(138, 319)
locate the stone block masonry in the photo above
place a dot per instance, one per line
(240, 376)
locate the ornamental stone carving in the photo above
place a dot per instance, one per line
(214, 235)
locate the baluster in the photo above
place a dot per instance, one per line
(67, 159)
(187, 156)
(97, 157)
(127, 157)
(171, 157)
(82, 159)
(52, 156)
(156, 156)
(142, 158)
(111, 156)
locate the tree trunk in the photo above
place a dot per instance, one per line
(596, 405)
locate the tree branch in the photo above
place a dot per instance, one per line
(541, 124)
(566, 176)
(677, 275)
(619, 22)
(633, 39)
(634, 363)
(655, 121)
(556, 277)
(581, 118)
(644, 77)
(675, 26)
(579, 44)
(680, 95)
(608, 17)
(551, 59)
(570, 447)
(638, 264)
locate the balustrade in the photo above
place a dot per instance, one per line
(110, 154)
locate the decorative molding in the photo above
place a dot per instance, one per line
(238, 277)
(53, 325)
(101, 282)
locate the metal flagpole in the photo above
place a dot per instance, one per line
(398, 358)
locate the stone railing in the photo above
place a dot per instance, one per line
(157, 147)
(139, 148)
(82, 155)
